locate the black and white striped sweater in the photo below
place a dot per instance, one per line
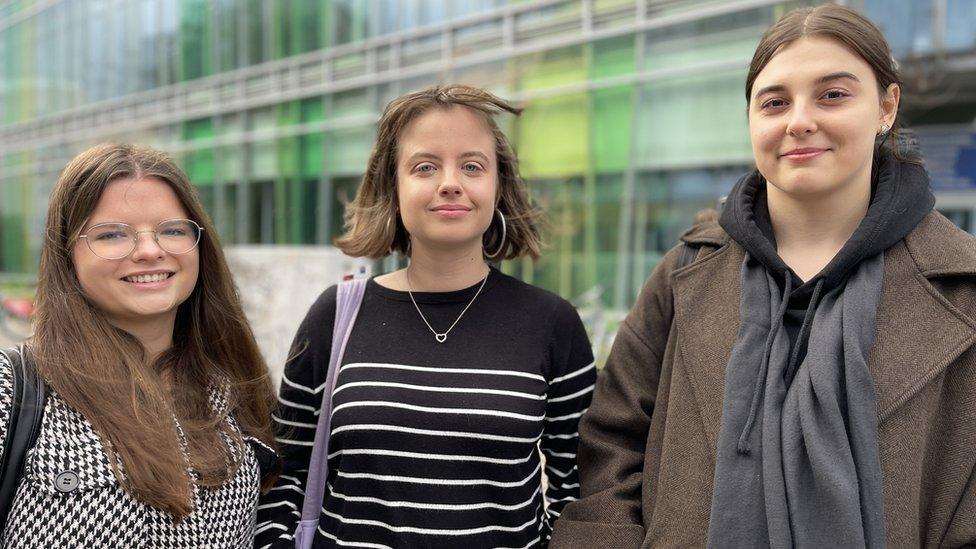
(437, 444)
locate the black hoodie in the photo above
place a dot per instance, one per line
(900, 198)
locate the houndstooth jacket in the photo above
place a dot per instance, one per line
(70, 498)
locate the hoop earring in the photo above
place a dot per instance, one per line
(501, 243)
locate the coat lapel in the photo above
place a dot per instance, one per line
(706, 318)
(918, 331)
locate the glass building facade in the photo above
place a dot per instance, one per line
(634, 110)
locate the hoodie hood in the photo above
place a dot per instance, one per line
(900, 199)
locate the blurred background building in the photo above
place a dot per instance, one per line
(634, 120)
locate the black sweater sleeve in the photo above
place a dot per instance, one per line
(571, 379)
(299, 400)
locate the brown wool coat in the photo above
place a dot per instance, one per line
(648, 442)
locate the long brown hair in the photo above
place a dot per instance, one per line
(372, 220)
(104, 373)
(855, 32)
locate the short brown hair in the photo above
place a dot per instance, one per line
(854, 31)
(373, 226)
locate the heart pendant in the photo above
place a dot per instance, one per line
(441, 338)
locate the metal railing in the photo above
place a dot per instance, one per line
(433, 50)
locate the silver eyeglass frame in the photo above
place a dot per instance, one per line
(135, 238)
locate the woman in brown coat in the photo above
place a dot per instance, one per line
(810, 378)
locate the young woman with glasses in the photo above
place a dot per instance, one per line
(455, 375)
(156, 431)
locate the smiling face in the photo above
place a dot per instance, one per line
(148, 285)
(814, 114)
(447, 179)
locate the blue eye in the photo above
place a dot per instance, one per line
(471, 167)
(177, 229)
(425, 168)
(110, 232)
(110, 235)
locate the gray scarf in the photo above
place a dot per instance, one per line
(798, 461)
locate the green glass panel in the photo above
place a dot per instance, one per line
(349, 103)
(264, 154)
(705, 41)
(312, 157)
(32, 83)
(613, 57)
(552, 133)
(692, 121)
(312, 110)
(288, 157)
(195, 39)
(198, 129)
(551, 68)
(227, 38)
(562, 269)
(671, 55)
(19, 61)
(552, 137)
(612, 119)
(208, 199)
(256, 28)
(303, 207)
(13, 234)
(7, 71)
(351, 20)
(492, 75)
(231, 157)
(263, 118)
(200, 163)
(263, 160)
(201, 167)
(300, 198)
(348, 150)
(282, 32)
(299, 26)
(313, 19)
(606, 216)
(228, 225)
(261, 208)
(232, 124)
(287, 227)
(231, 164)
(288, 113)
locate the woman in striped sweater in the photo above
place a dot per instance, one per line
(455, 376)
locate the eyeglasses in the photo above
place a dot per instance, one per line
(118, 240)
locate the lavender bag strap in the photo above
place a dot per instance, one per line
(348, 299)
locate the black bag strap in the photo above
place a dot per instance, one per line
(23, 425)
